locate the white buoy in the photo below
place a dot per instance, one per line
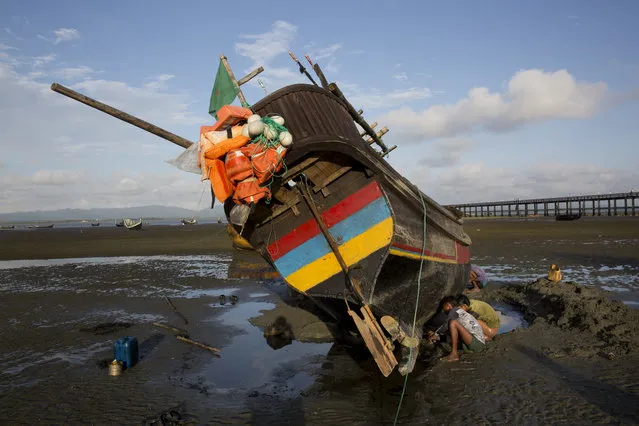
(286, 139)
(278, 119)
(269, 133)
(254, 117)
(255, 128)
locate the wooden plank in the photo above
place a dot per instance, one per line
(279, 210)
(296, 170)
(248, 77)
(332, 177)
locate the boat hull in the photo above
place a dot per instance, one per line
(374, 215)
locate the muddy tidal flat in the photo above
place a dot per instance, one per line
(567, 354)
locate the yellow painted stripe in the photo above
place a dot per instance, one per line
(402, 253)
(354, 250)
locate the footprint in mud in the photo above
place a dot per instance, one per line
(106, 328)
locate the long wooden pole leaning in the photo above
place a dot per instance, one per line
(114, 112)
(240, 95)
(332, 87)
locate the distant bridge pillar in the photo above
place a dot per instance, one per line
(598, 207)
(546, 209)
(625, 207)
(633, 206)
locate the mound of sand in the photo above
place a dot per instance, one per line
(611, 326)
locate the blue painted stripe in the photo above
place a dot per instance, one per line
(343, 231)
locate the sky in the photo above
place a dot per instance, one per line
(485, 100)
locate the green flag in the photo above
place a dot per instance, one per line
(224, 90)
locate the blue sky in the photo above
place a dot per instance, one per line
(486, 100)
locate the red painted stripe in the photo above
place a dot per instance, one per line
(463, 253)
(426, 253)
(331, 217)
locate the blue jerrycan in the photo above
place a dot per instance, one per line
(125, 350)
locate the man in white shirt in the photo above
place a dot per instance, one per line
(463, 327)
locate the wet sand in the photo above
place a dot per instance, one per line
(575, 363)
(112, 241)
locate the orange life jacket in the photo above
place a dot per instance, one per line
(249, 191)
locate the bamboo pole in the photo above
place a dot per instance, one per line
(121, 115)
(356, 117)
(240, 95)
(174, 309)
(320, 75)
(248, 77)
(372, 127)
(199, 345)
(171, 328)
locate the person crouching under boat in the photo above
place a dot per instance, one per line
(463, 328)
(487, 317)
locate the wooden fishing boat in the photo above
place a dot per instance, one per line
(343, 226)
(119, 224)
(7, 227)
(133, 224)
(191, 221)
(568, 216)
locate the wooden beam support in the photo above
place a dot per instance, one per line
(248, 77)
(372, 127)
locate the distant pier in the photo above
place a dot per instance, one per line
(619, 204)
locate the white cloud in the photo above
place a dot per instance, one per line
(478, 182)
(4, 46)
(324, 52)
(8, 31)
(65, 34)
(532, 96)
(38, 61)
(74, 72)
(400, 76)
(376, 98)
(446, 152)
(47, 138)
(262, 48)
(60, 35)
(58, 177)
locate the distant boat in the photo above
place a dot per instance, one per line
(95, 223)
(568, 216)
(40, 226)
(119, 224)
(133, 224)
(192, 221)
(7, 226)
(219, 220)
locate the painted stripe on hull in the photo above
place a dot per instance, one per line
(462, 254)
(317, 247)
(331, 217)
(352, 251)
(411, 255)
